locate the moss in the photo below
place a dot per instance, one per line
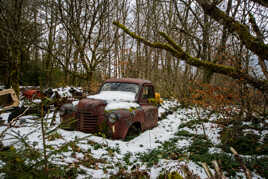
(169, 175)
(69, 124)
(250, 41)
(178, 52)
(103, 130)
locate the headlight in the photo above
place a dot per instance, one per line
(112, 117)
(62, 110)
(66, 109)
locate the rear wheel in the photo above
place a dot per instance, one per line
(133, 131)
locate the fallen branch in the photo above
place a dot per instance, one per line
(13, 121)
(208, 172)
(238, 158)
(219, 173)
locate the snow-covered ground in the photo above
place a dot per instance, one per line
(111, 155)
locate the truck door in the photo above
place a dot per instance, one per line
(150, 110)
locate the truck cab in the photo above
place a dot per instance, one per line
(122, 107)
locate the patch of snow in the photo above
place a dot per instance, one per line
(253, 174)
(75, 103)
(96, 173)
(211, 130)
(264, 133)
(173, 165)
(111, 96)
(215, 150)
(29, 117)
(145, 142)
(5, 116)
(2, 163)
(65, 92)
(121, 105)
(251, 131)
(184, 143)
(37, 101)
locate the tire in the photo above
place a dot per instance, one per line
(133, 131)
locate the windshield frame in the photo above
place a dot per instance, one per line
(137, 93)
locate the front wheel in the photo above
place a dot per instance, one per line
(133, 132)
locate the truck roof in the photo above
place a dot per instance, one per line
(129, 80)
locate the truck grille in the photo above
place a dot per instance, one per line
(86, 122)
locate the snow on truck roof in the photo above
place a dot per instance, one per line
(129, 80)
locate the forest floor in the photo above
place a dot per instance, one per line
(183, 137)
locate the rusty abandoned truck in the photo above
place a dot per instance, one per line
(123, 107)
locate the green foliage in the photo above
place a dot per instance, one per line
(260, 165)
(226, 161)
(135, 174)
(184, 133)
(192, 123)
(167, 150)
(104, 130)
(170, 175)
(200, 146)
(27, 163)
(54, 136)
(69, 123)
(31, 74)
(168, 112)
(246, 144)
(126, 158)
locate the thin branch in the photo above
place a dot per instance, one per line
(238, 158)
(179, 53)
(260, 38)
(251, 42)
(13, 122)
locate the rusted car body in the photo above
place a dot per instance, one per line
(112, 111)
(31, 93)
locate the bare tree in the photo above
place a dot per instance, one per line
(234, 26)
(18, 33)
(84, 21)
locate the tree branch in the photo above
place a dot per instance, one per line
(260, 38)
(179, 53)
(251, 42)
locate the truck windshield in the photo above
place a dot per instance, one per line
(129, 87)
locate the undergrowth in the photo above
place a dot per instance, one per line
(27, 163)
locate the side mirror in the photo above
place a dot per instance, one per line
(158, 100)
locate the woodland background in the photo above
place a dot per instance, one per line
(57, 43)
(203, 53)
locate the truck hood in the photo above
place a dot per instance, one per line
(117, 99)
